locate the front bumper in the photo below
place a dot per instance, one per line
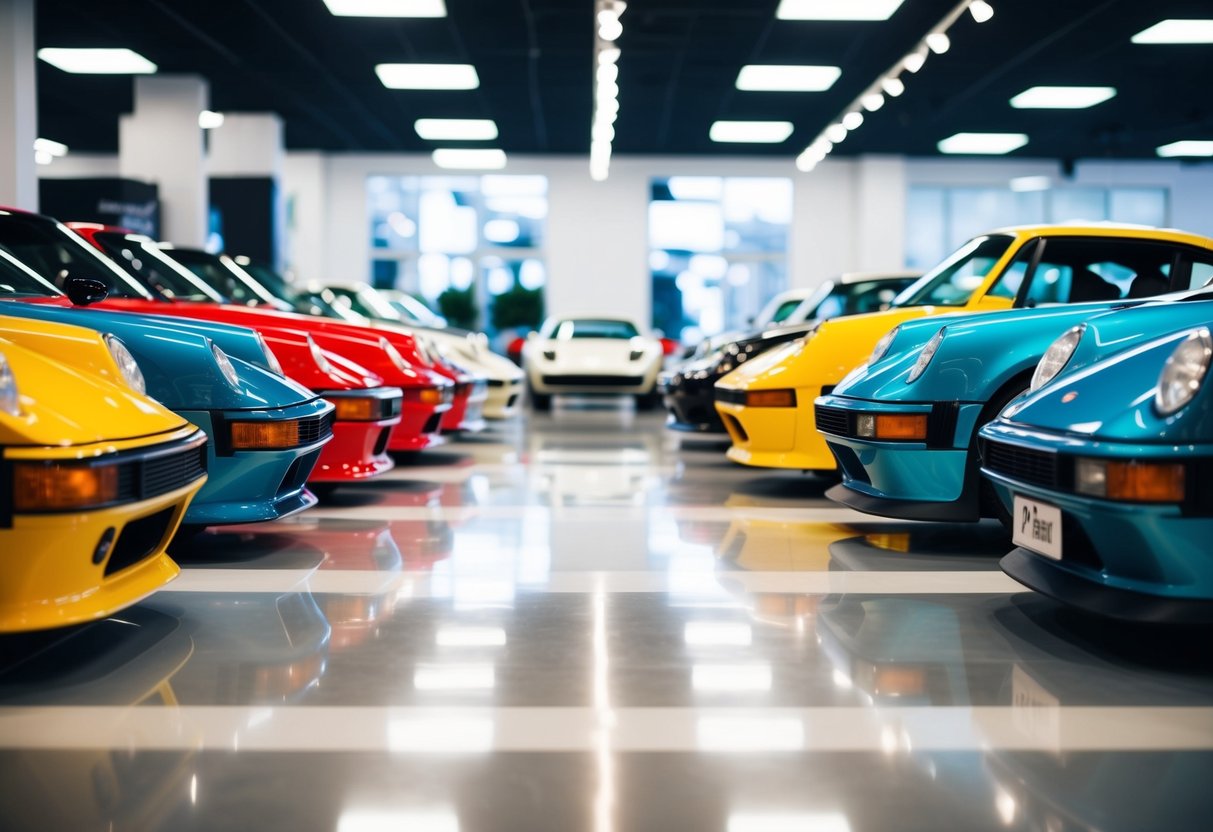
(937, 479)
(1120, 559)
(420, 425)
(59, 574)
(504, 399)
(636, 381)
(774, 437)
(467, 411)
(251, 486)
(692, 410)
(358, 449)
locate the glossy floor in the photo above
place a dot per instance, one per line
(576, 625)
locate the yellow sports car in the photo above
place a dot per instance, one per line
(94, 479)
(767, 404)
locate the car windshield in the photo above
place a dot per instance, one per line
(56, 254)
(860, 297)
(19, 281)
(270, 280)
(143, 258)
(954, 281)
(414, 310)
(593, 328)
(368, 303)
(327, 305)
(223, 275)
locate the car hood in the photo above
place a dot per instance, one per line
(591, 354)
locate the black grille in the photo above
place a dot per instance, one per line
(941, 424)
(1022, 464)
(315, 428)
(168, 472)
(432, 424)
(393, 408)
(496, 382)
(139, 539)
(833, 420)
(594, 381)
(728, 396)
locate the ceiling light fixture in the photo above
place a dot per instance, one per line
(754, 132)
(784, 78)
(1176, 31)
(608, 29)
(387, 8)
(458, 158)
(209, 119)
(456, 129)
(890, 83)
(1185, 148)
(837, 9)
(41, 157)
(97, 61)
(1061, 98)
(49, 147)
(428, 76)
(982, 144)
(1026, 184)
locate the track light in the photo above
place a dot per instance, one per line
(915, 60)
(872, 102)
(981, 10)
(893, 87)
(938, 42)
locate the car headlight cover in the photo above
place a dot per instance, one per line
(10, 402)
(924, 357)
(1184, 372)
(271, 360)
(394, 356)
(882, 346)
(225, 366)
(127, 365)
(1056, 357)
(318, 356)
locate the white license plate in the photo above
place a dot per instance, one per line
(1037, 526)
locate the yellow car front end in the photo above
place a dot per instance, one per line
(767, 404)
(94, 480)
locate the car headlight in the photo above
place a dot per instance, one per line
(425, 350)
(10, 402)
(127, 365)
(924, 357)
(225, 366)
(1056, 357)
(636, 355)
(318, 356)
(882, 346)
(394, 356)
(1184, 372)
(550, 355)
(271, 360)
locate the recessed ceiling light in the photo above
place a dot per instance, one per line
(757, 132)
(1062, 98)
(467, 159)
(50, 147)
(1025, 184)
(1177, 31)
(983, 143)
(97, 61)
(209, 119)
(1186, 148)
(769, 78)
(456, 129)
(837, 9)
(428, 76)
(387, 8)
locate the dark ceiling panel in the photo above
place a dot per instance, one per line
(680, 61)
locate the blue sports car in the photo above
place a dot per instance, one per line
(265, 432)
(1105, 472)
(903, 426)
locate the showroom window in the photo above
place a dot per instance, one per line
(940, 219)
(718, 251)
(471, 247)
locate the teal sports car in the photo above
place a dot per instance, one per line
(265, 432)
(1105, 472)
(903, 426)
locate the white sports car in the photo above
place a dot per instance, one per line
(591, 355)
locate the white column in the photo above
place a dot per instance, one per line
(250, 145)
(18, 105)
(880, 213)
(161, 142)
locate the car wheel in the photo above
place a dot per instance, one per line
(541, 401)
(648, 401)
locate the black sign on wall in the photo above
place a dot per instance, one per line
(113, 201)
(247, 207)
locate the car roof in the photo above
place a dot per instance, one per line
(863, 277)
(1107, 229)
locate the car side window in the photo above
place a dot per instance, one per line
(1202, 273)
(1012, 276)
(1086, 269)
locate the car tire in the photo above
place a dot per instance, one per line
(648, 401)
(541, 402)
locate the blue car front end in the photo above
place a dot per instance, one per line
(1108, 483)
(265, 432)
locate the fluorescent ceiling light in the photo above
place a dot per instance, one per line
(428, 76)
(837, 9)
(757, 132)
(387, 8)
(983, 143)
(98, 61)
(1062, 98)
(1177, 31)
(772, 78)
(1186, 148)
(460, 159)
(209, 119)
(456, 129)
(1024, 184)
(50, 147)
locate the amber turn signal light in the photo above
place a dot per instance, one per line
(355, 408)
(770, 398)
(1146, 482)
(39, 487)
(247, 436)
(903, 426)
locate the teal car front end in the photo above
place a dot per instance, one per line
(1107, 474)
(265, 432)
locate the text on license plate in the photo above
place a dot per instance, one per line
(1037, 526)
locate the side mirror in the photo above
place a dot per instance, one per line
(85, 291)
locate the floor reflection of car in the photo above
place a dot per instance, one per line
(577, 472)
(122, 663)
